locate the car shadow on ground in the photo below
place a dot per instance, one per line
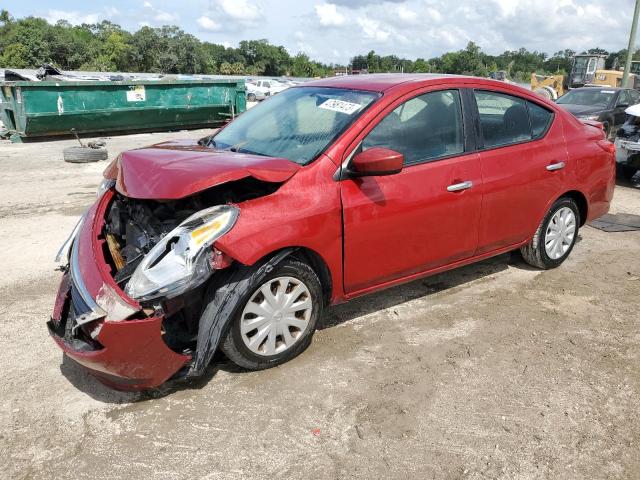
(334, 316)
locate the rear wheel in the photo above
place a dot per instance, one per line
(276, 320)
(251, 97)
(555, 237)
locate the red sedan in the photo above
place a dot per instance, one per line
(325, 192)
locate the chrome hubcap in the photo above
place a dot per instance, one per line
(560, 233)
(276, 316)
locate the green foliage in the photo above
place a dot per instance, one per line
(29, 42)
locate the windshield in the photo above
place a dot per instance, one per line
(589, 97)
(297, 124)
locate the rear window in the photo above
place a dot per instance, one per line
(540, 119)
(507, 119)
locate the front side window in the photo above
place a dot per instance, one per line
(424, 128)
(297, 124)
(504, 119)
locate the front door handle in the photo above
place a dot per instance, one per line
(456, 187)
(555, 166)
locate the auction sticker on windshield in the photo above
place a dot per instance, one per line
(340, 106)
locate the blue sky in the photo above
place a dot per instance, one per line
(334, 31)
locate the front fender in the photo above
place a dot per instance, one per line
(305, 212)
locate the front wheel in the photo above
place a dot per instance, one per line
(275, 321)
(555, 237)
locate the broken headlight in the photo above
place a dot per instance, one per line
(182, 259)
(105, 185)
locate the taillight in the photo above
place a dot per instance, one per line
(607, 146)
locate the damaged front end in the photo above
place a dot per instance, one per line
(129, 305)
(628, 142)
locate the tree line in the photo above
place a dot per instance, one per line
(30, 42)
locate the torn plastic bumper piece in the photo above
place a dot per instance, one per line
(125, 354)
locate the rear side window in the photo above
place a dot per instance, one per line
(424, 128)
(506, 119)
(540, 119)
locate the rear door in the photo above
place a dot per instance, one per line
(524, 161)
(425, 216)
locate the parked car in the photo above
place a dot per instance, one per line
(260, 89)
(605, 105)
(255, 93)
(628, 143)
(329, 191)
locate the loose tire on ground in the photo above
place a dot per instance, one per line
(239, 289)
(535, 253)
(84, 154)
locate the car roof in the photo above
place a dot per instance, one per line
(380, 82)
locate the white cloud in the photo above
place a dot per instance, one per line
(240, 10)
(73, 17)
(207, 23)
(407, 15)
(329, 16)
(165, 17)
(157, 16)
(232, 16)
(373, 30)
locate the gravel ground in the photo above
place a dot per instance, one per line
(494, 370)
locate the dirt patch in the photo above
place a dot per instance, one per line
(495, 370)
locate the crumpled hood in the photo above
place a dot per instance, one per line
(172, 170)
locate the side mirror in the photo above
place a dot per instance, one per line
(376, 161)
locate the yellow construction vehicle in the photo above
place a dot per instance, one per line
(583, 72)
(551, 86)
(612, 78)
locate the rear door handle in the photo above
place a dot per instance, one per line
(456, 187)
(555, 166)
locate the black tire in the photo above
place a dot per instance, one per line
(234, 347)
(628, 171)
(534, 253)
(251, 97)
(84, 154)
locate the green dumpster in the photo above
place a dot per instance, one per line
(38, 109)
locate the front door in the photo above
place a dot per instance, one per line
(423, 217)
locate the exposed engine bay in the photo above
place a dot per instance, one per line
(134, 227)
